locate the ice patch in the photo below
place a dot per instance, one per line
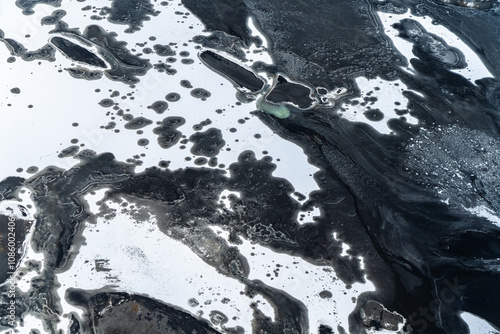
(485, 212)
(478, 325)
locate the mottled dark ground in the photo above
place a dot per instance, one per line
(111, 312)
(409, 232)
(399, 201)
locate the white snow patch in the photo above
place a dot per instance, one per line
(478, 325)
(485, 212)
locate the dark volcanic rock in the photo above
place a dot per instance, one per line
(114, 312)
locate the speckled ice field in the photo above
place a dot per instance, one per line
(249, 167)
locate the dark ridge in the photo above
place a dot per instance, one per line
(223, 42)
(186, 198)
(28, 5)
(131, 12)
(429, 47)
(388, 201)
(125, 66)
(229, 17)
(153, 186)
(401, 201)
(16, 49)
(57, 198)
(311, 54)
(291, 314)
(76, 52)
(54, 18)
(83, 73)
(46, 52)
(69, 151)
(119, 312)
(237, 74)
(74, 327)
(285, 91)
